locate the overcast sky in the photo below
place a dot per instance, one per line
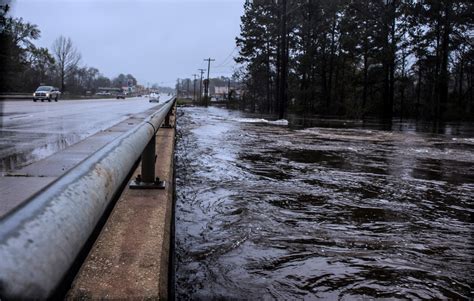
(157, 41)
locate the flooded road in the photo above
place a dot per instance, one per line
(269, 212)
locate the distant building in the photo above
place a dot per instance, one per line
(139, 89)
(109, 90)
(220, 93)
(128, 89)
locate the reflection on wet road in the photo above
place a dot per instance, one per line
(268, 212)
(31, 131)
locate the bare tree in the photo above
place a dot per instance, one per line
(67, 57)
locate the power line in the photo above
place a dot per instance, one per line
(225, 67)
(225, 60)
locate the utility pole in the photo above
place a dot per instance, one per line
(187, 89)
(177, 89)
(194, 84)
(200, 84)
(206, 87)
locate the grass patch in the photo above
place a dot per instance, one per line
(184, 102)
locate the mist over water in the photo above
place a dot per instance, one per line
(333, 212)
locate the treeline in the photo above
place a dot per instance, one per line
(359, 58)
(24, 66)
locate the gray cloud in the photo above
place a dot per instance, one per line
(156, 41)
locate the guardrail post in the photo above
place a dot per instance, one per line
(167, 123)
(148, 161)
(147, 179)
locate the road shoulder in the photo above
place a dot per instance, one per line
(129, 260)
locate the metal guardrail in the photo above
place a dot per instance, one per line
(16, 95)
(40, 240)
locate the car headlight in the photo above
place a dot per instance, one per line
(47, 94)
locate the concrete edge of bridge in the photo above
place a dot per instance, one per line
(130, 258)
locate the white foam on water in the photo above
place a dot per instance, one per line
(260, 120)
(464, 140)
(279, 122)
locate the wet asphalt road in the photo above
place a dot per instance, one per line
(31, 131)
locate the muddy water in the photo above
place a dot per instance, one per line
(269, 212)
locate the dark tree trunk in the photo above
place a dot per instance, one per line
(436, 92)
(444, 76)
(343, 82)
(331, 63)
(402, 86)
(268, 102)
(366, 77)
(389, 61)
(461, 80)
(284, 63)
(324, 85)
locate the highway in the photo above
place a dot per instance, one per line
(30, 131)
(41, 141)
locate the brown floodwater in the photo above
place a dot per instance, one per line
(322, 209)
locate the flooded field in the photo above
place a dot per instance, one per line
(330, 211)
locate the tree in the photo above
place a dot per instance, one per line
(23, 66)
(131, 80)
(120, 81)
(439, 29)
(261, 52)
(102, 81)
(16, 40)
(358, 58)
(40, 68)
(67, 58)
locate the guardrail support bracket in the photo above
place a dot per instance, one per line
(139, 184)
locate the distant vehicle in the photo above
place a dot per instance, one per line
(46, 93)
(120, 95)
(154, 97)
(103, 94)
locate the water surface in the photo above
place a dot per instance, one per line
(267, 211)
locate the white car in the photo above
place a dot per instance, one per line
(46, 93)
(154, 97)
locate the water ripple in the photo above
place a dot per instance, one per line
(268, 212)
